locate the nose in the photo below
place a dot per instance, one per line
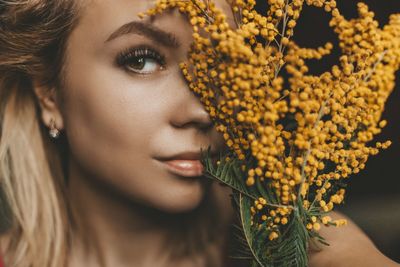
(190, 112)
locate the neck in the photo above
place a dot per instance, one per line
(114, 230)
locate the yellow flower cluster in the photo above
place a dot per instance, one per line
(301, 137)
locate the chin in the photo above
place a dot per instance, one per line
(183, 199)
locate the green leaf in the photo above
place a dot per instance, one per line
(290, 249)
(245, 216)
(228, 173)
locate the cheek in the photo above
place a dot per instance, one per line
(106, 115)
(107, 118)
(112, 123)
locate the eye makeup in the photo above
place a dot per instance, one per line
(142, 60)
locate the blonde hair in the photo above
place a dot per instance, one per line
(33, 36)
(39, 223)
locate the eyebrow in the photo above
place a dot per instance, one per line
(156, 34)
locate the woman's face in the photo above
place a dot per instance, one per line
(130, 119)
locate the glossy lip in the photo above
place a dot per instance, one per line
(186, 168)
(185, 164)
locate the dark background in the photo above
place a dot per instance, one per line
(373, 195)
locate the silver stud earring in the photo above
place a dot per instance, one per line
(53, 132)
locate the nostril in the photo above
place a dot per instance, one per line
(206, 126)
(203, 126)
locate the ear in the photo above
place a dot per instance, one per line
(49, 105)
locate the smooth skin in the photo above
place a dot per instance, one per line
(120, 114)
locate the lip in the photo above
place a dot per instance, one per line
(185, 167)
(187, 164)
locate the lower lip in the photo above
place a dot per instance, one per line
(187, 168)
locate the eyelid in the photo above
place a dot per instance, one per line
(140, 51)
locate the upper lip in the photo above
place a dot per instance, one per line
(185, 156)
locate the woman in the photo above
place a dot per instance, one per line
(101, 142)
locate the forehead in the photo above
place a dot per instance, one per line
(138, 5)
(104, 15)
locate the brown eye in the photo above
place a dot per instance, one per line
(141, 61)
(138, 63)
(143, 65)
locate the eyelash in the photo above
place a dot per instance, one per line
(128, 56)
